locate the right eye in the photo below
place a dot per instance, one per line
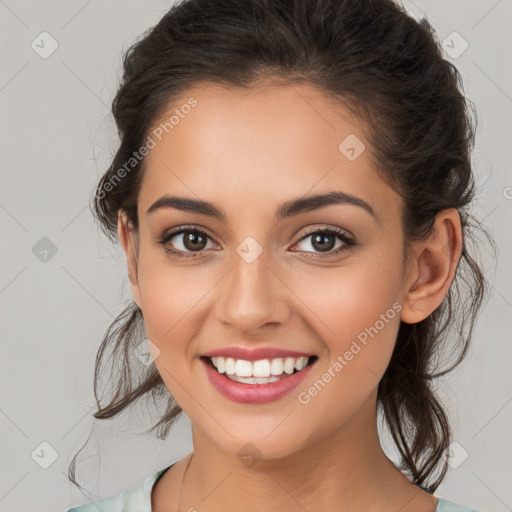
(194, 241)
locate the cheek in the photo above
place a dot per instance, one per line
(358, 353)
(170, 296)
(356, 312)
(172, 299)
(364, 310)
(350, 300)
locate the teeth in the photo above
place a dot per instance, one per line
(243, 368)
(300, 363)
(258, 372)
(253, 380)
(261, 368)
(220, 364)
(230, 365)
(276, 367)
(289, 365)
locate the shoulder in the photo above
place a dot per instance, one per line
(134, 499)
(449, 506)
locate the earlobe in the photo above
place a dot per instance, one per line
(433, 268)
(126, 238)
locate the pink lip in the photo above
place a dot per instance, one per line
(254, 393)
(255, 354)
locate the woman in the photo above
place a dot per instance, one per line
(291, 192)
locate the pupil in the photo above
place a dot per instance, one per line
(191, 241)
(320, 240)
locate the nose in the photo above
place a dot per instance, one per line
(252, 297)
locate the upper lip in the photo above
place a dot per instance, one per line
(255, 354)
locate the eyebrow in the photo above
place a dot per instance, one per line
(287, 209)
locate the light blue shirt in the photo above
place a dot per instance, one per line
(138, 499)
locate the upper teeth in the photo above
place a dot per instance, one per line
(260, 368)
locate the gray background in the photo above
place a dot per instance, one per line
(57, 138)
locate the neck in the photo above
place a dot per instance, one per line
(346, 466)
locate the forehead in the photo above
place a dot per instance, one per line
(272, 141)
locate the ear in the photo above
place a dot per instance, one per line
(432, 267)
(130, 243)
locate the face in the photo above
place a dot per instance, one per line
(270, 280)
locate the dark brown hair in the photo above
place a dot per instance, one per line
(389, 70)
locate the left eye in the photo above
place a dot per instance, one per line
(322, 240)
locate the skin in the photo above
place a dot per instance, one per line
(248, 152)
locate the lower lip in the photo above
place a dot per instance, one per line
(254, 393)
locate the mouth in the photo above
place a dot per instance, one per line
(262, 371)
(257, 380)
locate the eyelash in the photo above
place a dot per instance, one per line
(347, 241)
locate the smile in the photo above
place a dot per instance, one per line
(257, 381)
(262, 371)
